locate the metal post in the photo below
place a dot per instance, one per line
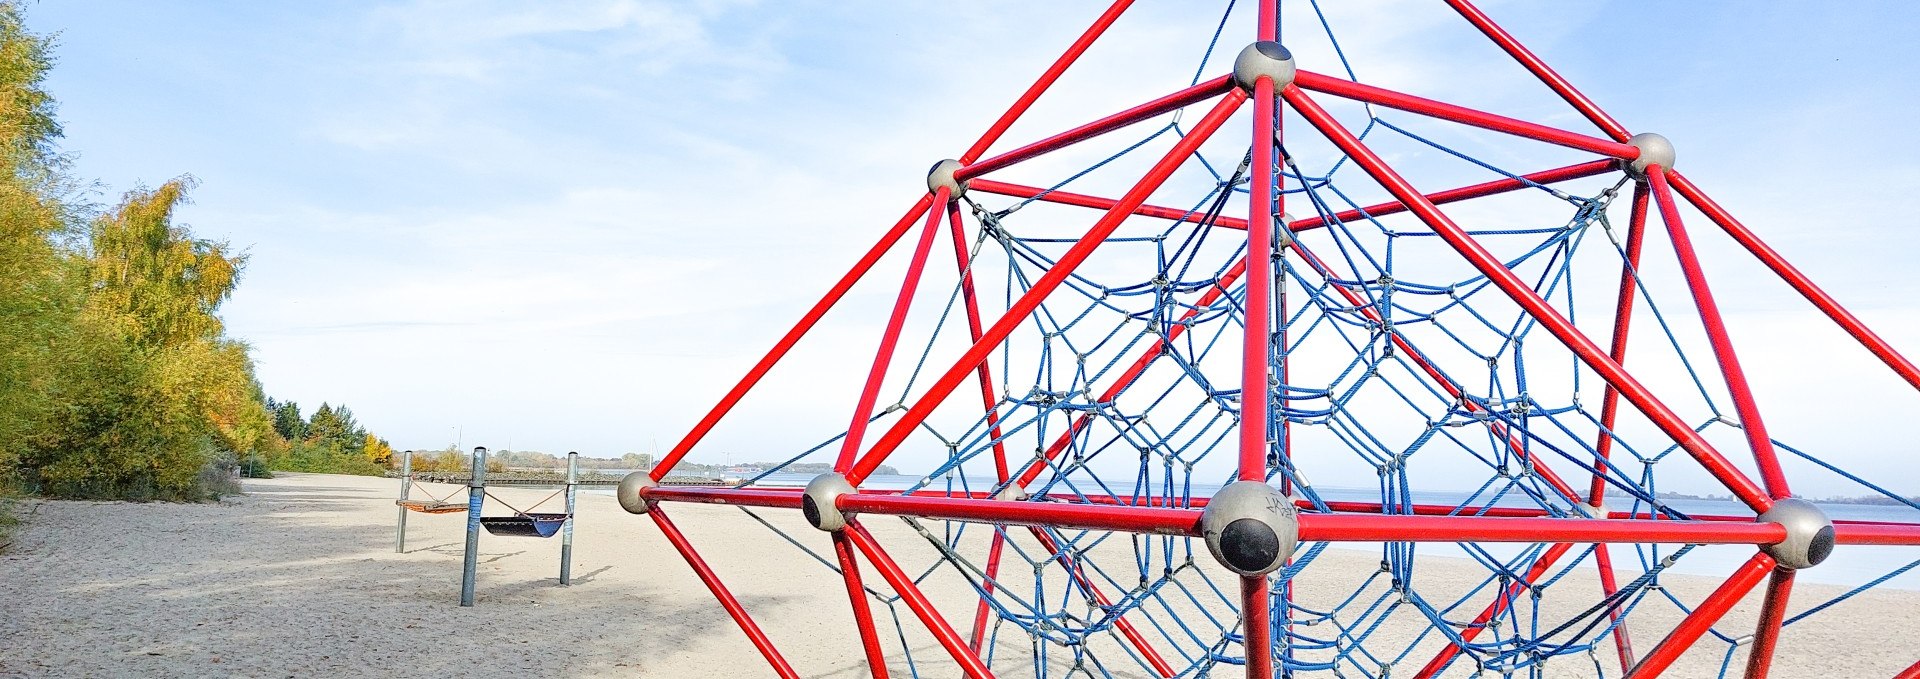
(406, 484)
(476, 496)
(566, 529)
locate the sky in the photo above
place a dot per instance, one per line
(572, 226)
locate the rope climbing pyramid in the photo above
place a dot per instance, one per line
(1202, 394)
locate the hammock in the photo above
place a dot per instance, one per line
(524, 525)
(432, 506)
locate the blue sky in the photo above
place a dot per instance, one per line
(571, 227)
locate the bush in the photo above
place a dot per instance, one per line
(326, 458)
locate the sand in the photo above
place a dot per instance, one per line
(300, 577)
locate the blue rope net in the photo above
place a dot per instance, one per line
(1401, 372)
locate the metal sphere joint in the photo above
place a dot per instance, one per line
(1809, 533)
(1250, 527)
(1266, 58)
(629, 492)
(1654, 150)
(941, 176)
(818, 501)
(1012, 493)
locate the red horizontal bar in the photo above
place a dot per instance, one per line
(724, 496)
(1463, 115)
(1876, 534)
(1481, 190)
(1057, 515)
(1403, 528)
(1182, 98)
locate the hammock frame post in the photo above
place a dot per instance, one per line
(406, 485)
(566, 529)
(476, 497)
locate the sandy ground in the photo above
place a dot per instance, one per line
(300, 577)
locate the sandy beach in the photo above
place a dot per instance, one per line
(300, 577)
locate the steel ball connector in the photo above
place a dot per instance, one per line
(629, 492)
(1809, 533)
(941, 177)
(1250, 527)
(1266, 58)
(1011, 493)
(817, 502)
(1282, 234)
(1654, 150)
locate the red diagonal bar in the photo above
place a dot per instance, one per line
(793, 336)
(1530, 301)
(1773, 613)
(1751, 423)
(1539, 68)
(902, 584)
(985, 371)
(890, 338)
(1912, 672)
(1042, 287)
(1046, 80)
(1801, 284)
(1183, 98)
(732, 605)
(1463, 115)
(985, 609)
(1703, 617)
(1622, 320)
(1127, 630)
(1498, 186)
(1499, 605)
(862, 613)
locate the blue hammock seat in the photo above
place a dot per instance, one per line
(525, 525)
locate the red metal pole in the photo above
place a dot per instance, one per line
(1540, 69)
(1156, 520)
(1256, 614)
(1257, 348)
(1529, 300)
(1046, 80)
(1773, 613)
(883, 357)
(1912, 672)
(862, 614)
(1495, 187)
(1499, 605)
(1408, 528)
(985, 372)
(740, 617)
(1463, 115)
(1127, 630)
(1703, 617)
(903, 585)
(986, 592)
(787, 341)
(1820, 299)
(1044, 286)
(1748, 410)
(1622, 320)
(1608, 586)
(1183, 98)
(1875, 534)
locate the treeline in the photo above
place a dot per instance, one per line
(117, 377)
(454, 459)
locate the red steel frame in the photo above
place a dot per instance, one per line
(1348, 521)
